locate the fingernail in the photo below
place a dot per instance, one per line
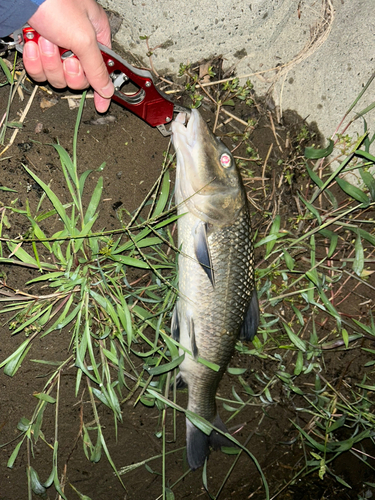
(47, 48)
(107, 91)
(72, 66)
(30, 51)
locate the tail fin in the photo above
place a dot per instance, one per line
(198, 443)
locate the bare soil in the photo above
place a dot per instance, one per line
(133, 153)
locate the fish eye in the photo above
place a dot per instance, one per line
(225, 160)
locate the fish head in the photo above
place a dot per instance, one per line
(208, 181)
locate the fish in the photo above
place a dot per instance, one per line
(217, 301)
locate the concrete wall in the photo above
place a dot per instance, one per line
(323, 50)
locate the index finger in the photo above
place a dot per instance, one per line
(95, 70)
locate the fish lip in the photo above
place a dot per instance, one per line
(186, 126)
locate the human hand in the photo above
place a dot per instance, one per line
(77, 26)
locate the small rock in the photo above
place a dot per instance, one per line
(38, 128)
(102, 120)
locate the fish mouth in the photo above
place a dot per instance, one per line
(185, 129)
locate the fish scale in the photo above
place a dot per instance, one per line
(220, 319)
(217, 299)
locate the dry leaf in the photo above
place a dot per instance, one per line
(48, 103)
(203, 72)
(73, 103)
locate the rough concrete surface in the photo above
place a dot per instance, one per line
(315, 56)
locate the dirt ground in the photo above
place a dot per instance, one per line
(133, 153)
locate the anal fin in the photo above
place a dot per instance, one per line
(252, 318)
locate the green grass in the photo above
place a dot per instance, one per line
(91, 299)
(111, 294)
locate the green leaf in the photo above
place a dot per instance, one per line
(364, 327)
(274, 231)
(47, 276)
(21, 254)
(289, 261)
(13, 362)
(125, 319)
(236, 371)
(36, 485)
(167, 367)
(53, 199)
(85, 231)
(311, 209)
(316, 154)
(3, 188)
(14, 455)
(267, 239)
(299, 343)
(81, 496)
(313, 277)
(164, 195)
(299, 315)
(149, 242)
(314, 177)
(333, 237)
(94, 202)
(45, 397)
(299, 363)
(82, 180)
(369, 181)
(7, 73)
(352, 191)
(23, 425)
(199, 422)
(345, 337)
(337, 424)
(359, 259)
(130, 261)
(30, 321)
(366, 236)
(334, 175)
(169, 495)
(330, 307)
(365, 154)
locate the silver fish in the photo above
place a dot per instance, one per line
(217, 300)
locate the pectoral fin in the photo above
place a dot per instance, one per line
(202, 250)
(251, 320)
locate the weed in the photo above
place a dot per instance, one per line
(113, 293)
(93, 299)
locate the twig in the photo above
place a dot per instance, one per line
(23, 116)
(264, 168)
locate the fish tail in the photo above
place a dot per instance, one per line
(198, 443)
